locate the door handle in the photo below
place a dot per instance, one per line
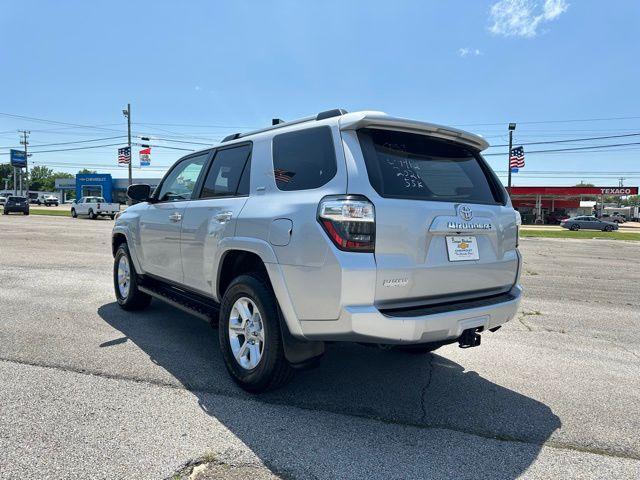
(175, 217)
(223, 217)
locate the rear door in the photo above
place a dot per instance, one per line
(161, 221)
(212, 214)
(444, 226)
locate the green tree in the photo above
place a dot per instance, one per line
(6, 172)
(41, 178)
(583, 184)
(86, 170)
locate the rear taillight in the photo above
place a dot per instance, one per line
(349, 221)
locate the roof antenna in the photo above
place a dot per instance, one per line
(276, 121)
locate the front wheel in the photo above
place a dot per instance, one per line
(125, 282)
(608, 228)
(73, 213)
(26, 213)
(574, 228)
(250, 336)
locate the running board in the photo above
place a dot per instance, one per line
(187, 301)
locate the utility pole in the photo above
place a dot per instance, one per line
(25, 142)
(127, 113)
(512, 127)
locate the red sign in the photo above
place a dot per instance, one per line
(574, 191)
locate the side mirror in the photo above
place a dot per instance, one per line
(139, 192)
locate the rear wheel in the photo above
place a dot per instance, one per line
(73, 213)
(26, 213)
(92, 215)
(250, 336)
(125, 282)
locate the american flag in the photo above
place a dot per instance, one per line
(516, 159)
(124, 156)
(283, 175)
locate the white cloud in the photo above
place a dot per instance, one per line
(465, 52)
(521, 18)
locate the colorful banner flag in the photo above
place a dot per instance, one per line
(145, 157)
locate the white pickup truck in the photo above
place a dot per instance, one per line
(94, 207)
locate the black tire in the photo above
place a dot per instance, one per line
(419, 349)
(135, 299)
(73, 213)
(92, 215)
(273, 369)
(112, 217)
(608, 228)
(574, 228)
(26, 213)
(5, 212)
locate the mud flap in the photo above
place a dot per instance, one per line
(298, 353)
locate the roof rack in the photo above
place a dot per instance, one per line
(320, 116)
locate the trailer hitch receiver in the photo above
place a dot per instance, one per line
(469, 338)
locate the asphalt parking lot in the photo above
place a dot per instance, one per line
(90, 391)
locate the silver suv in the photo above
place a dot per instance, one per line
(337, 227)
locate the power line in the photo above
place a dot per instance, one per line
(570, 149)
(76, 141)
(569, 140)
(536, 122)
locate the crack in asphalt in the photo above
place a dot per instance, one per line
(423, 392)
(558, 445)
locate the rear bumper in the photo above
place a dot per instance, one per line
(368, 324)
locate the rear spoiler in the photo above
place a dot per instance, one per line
(353, 121)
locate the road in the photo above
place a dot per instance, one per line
(90, 391)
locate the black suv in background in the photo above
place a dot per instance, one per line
(16, 204)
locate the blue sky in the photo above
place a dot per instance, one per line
(205, 68)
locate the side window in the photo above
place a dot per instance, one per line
(226, 171)
(181, 181)
(304, 159)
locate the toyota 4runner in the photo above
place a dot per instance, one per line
(337, 227)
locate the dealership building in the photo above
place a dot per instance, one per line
(543, 204)
(99, 185)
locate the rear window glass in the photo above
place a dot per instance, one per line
(304, 159)
(414, 166)
(16, 199)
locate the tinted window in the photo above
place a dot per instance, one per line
(225, 172)
(414, 166)
(180, 182)
(304, 159)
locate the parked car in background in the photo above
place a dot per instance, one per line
(412, 241)
(613, 217)
(588, 223)
(3, 200)
(556, 218)
(16, 205)
(94, 207)
(51, 200)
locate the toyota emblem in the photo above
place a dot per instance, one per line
(465, 212)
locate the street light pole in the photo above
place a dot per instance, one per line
(512, 127)
(127, 113)
(25, 142)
